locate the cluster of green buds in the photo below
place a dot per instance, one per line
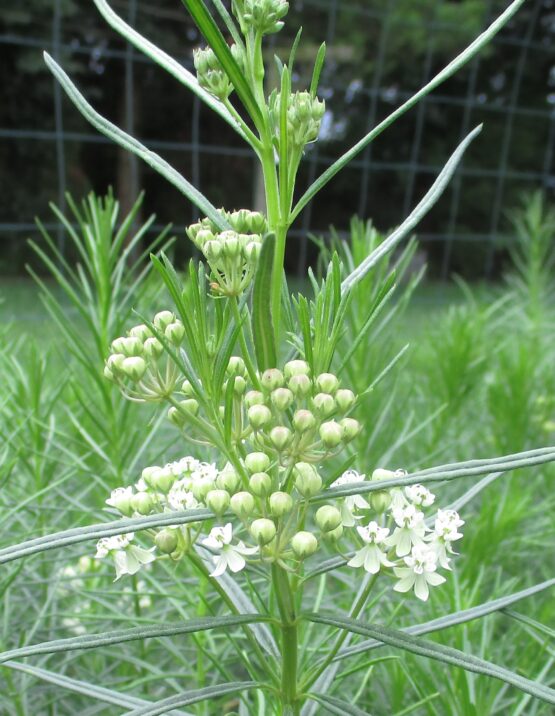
(231, 254)
(304, 117)
(263, 16)
(211, 75)
(259, 514)
(140, 365)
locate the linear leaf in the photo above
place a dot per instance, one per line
(133, 145)
(193, 697)
(263, 329)
(465, 56)
(207, 26)
(174, 68)
(93, 641)
(96, 531)
(460, 617)
(437, 652)
(423, 207)
(337, 706)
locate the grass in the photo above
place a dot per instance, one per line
(476, 381)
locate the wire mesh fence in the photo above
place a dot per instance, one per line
(379, 53)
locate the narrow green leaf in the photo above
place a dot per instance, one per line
(438, 652)
(229, 23)
(93, 641)
(96, 531)
(337, 706)
(133, 145)
(263, 328)
(465, 56)
(205, 23)
(408, 225)
(294, 47)
(193, 697)
(532, 623)
(318, 65)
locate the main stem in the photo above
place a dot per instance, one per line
(289, 640)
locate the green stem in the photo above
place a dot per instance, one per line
(289, 640)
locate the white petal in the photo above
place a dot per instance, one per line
(221, 565)
(404, 585)
(421, 588)
(358, 558)
(234, 560)
(434, 579)
(372, 559)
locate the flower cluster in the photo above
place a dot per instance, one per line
(263, 16)
(211, 75)
(139, 364)
(257, 512)
(304, 116)
(232, 254)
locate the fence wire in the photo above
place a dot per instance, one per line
(387, 48)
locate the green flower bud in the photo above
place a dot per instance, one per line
(296, 367)
(239, 385)
(328, 518)
(205, 237)
(107, 373)
(162, 480)
(271, 379)
(142, 503)
(228, 479)
(133, 368)
(263, 530)
(303, 421)
(178, 416)
(114, 362)
(248, 222)
(260, 484)
(300, 385)
(334, 535)
(217, 501)
(380, 501)
(148, 474)
(130, 346)
(331, 434)
(163, 319)
(153, 348)
(304, 115)
(259, 416)
(324, 405)
(201, 487)
(254, 397)
(280, 504)
(231, 246)
(345, 399)
(282, 398)
(307, 480)
(257, 462)
(351, 428)
(252, 252)
(166, 540)
(212, 250)
(280, 437)
(187, 389)
(327, 383)
(381, 474)
(175, 333)
(120, 499)
(304, 544)
(141, 332)
(242, 503)
(264, 16)
(236, 366)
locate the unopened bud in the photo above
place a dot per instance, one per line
(142, 503)
(254, 397)
(345, 399)
(334, 535)
(380, 501)
(201, 487)
(300, 385)
(163, 319)
(304, 420)
(175, 333)
(282, 398)
(351, 428)
(328, 518)
(217, 501)
(134, 368)
(324, 404)
(381, 474)
(280, 504)
(263, 530)
(120, 499)
(228, 479)
(271, 379)
(236, 366)
(148, 474)
(304, 544)
(307, 480)
(242, 503)
(153, 348)
(259, 416)
(296, 367)
(327, 383)
(166, 540)
(162, 480)
(187, 389)
(130, 346)
(331, 434)
(280, 437)
(260, 484)
(239, 385)
(141, 332)
(257, 462)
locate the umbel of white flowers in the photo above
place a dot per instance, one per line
(386, 533)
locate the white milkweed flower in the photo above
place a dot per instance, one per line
(419, 495)
(230, 555)
(128, 558)
(205, 470)
(410, 529)
(352, 502)
(371, 556)
(120, 499)
(445, 531)
(141, 485)
(419, 573)
(187, 465)
(180, 497)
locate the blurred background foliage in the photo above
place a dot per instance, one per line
(380, 51)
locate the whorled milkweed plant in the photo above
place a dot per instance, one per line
(274, 493)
